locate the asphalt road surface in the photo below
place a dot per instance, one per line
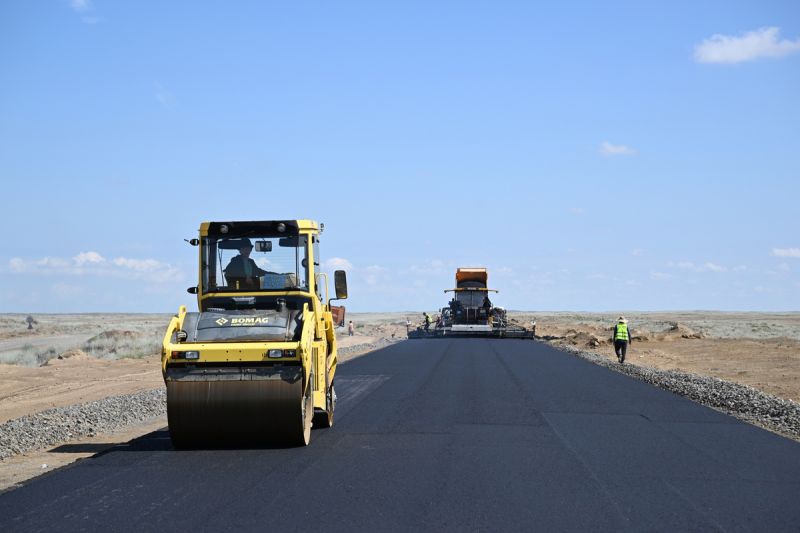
(449, 434)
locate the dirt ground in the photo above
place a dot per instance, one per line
(756, 349)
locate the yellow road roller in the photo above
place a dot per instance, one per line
(257, 362)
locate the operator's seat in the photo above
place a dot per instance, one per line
(240, 282)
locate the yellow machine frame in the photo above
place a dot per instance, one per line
(316, 350)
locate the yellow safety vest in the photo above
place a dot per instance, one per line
(622, 332)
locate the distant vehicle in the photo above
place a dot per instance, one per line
(471, 313)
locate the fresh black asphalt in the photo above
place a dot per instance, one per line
(449, 434)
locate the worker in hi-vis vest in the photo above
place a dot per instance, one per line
(622, 336)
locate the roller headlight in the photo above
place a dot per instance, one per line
(191, 355)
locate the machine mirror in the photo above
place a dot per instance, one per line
(192, 290)
(263, 246)
(340, 283)
(194, 242)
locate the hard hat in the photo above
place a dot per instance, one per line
(622, 319)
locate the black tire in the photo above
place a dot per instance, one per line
(307, 416)
(324, 419)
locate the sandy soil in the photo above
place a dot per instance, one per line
(760, 350)
(25, 390)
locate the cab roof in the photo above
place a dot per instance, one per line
(235, 227)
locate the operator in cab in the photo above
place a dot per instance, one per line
(242, 272)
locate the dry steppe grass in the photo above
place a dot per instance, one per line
(101, 336)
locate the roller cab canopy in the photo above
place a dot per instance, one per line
(276, 257)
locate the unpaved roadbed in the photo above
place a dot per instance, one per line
(62, 424)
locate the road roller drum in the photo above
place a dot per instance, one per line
(238, 405)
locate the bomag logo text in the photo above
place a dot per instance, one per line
(249, 321)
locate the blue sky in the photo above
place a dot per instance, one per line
(594, 156)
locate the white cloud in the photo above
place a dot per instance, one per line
(21, 266)
(786, 252)
(746, 47)
(606, 148)
(637, 252)
(263, 263)
(683, 264)
(712, 267)
(338, 263)
(93, 264)
(784, 267)
(576, 210)
(140, 265)
(16, 265)
(85, 258)
(85, 9)
(375, 274)
(660, 276)
(80, 5)
(708, 266)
